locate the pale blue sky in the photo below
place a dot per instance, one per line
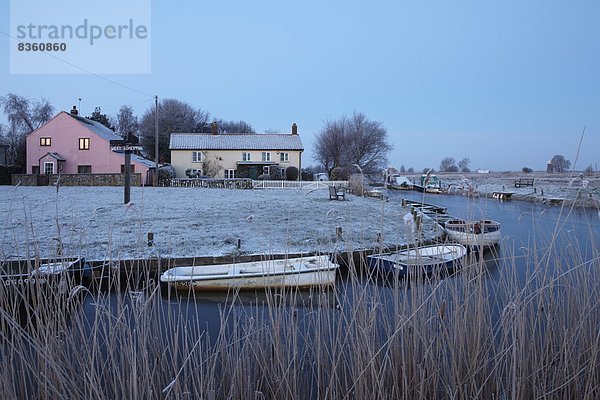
(506, 83)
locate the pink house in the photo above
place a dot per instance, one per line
(70, 144)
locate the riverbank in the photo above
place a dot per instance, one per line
(547, 188)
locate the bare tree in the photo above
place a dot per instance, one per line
(463, 165)
(174, 116)
(24, 116)
(127, 122)
(560, 163)
(234, 127)
(353, 141)
(589, 170)
(448, 164)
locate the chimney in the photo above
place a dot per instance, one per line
(214, 129)
(294, 129)
(74, 111)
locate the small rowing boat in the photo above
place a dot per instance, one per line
(420, 260)
(294, 272)
(483, 233)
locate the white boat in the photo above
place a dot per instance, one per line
(420, 260)
(293, 272)
(484, 232)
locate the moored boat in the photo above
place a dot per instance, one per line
(294, 272)
(483, 232)
(20, 282)
(420, 260)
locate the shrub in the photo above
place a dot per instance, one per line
(527, 170)
(291, 173)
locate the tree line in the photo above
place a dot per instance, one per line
(342, 146)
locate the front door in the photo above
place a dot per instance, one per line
(252, 173)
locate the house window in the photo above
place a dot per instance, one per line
(131, 168)
(48, 168)
(84, 143)
(246, 157)
(266, 156)
(84, 169)
(229, 173)
(196, 156)
(284, 157)
(45, 141)
(282, 170)
(265, 170)
(35, 169)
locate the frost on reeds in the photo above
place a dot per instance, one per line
(518, 323)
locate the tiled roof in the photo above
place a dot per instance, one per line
(96, 127)
(201, 141)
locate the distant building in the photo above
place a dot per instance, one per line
(549, 167)
(70, 144)
(235, 155)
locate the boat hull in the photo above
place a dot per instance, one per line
(297, 273)
(480, 233)
(420, 260)
(53, 278)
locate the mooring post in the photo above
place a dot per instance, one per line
(418, 222)
(338, 232)
(239, 243)
(150, 239)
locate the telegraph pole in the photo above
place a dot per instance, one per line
(155, 141)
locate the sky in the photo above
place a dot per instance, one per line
(507, 84)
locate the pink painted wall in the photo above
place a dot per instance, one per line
(65, 132)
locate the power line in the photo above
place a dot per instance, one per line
(83, 69)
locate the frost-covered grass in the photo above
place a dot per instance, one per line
(93, 221)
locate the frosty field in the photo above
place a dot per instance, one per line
(93, 222)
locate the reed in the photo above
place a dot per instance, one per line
(532, 332)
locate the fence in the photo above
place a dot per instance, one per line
(309, 185)
(207, 183)
(249, 184)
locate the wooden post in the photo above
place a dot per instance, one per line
(127, 195)
(150, 239)
(338, 232)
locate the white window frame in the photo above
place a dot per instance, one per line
(46, 164)
(197, 156)
(266, 156)
(84, 143)
(246, 157)
(266, 170)
(230, 173)
(282, 170)
(284, 157)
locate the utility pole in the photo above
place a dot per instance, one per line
(156, 141)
